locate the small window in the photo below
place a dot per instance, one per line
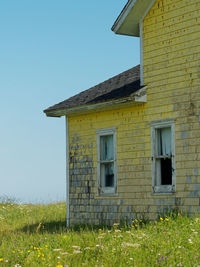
(163, 154)
(106, 154)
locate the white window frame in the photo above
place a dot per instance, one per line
(106, 190)
(156, 181)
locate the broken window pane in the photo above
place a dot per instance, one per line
(107, 147)
(164, 165)
(166, 171)
(164, 141)
(163, 156)
(107, 174)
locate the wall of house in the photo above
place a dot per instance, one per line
(171, 39)
(133, 183)
(171, 36)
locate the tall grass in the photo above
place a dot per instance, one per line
(35, 235)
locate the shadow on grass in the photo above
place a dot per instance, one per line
(59, 227)
(47, 227)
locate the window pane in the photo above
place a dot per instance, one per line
(166, 171)
(107, 174)
(164, 141)
(107, 147)
(163, 171)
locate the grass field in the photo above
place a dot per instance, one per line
(35, 235)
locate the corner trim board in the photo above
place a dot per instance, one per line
(141, 54)
(67, 171)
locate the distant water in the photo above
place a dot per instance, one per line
(32, 200)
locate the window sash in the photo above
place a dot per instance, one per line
(107, 175)
(156, 158)
(106, 148)
(101, 161)
(163, 140)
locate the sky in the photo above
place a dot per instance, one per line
(50, 50)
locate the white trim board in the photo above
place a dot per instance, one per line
(67, 171)
(129, 19)
(105, 191)
(141, 55)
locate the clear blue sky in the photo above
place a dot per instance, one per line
(49, 51)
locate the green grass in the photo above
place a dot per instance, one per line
(35, 235)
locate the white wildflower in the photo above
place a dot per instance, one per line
(76, 247)
(64, 253)
(134, 245)
(76, 251)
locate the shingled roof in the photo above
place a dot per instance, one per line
(119, 86)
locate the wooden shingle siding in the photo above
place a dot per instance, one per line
(171, 70)
(171, 59)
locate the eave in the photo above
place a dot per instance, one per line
(129, 19)
(135, 98)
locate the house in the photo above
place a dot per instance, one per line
(133, 141)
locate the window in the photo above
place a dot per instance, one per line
(163, 154)
(106, 159)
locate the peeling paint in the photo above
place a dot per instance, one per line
(193, 194)
(189, 179)
(183, 135)
(196, 171)
(171, 72)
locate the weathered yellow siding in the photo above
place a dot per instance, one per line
(130, 157)
(171, 44)
(171, 40)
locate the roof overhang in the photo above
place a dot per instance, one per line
(135, 98)
(129, 19)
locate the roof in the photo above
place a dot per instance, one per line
(128, 21)
(119, 86)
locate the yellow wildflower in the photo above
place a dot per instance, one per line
(161, 218)
(1, 259)
(166, 219)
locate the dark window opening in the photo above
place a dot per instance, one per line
(166, 171)
(109, 175)
(110, 180)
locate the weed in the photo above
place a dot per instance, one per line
(35, 235)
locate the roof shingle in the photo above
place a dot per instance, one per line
(119, 86)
